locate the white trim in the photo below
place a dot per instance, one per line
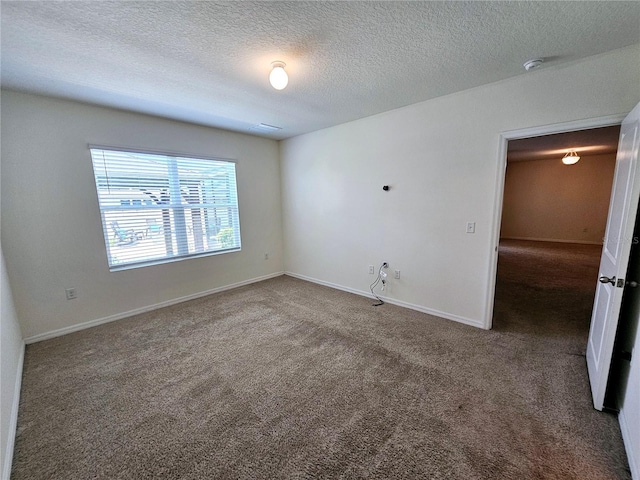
(160, 152)
(586, 124)
(400, 303)
(118, 316)
(501, 167)
(13, 421)
(501, 170)
(630, 447)
(553, 240)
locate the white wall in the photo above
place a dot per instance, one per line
(11, 357)
(547, 200)
(51, 229)
(440, 158)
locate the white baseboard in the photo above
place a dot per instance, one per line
(553, 240)
(400, 303)
(118, 316)
(13, 421)
(633, 450)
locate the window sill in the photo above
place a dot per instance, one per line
(130, 266)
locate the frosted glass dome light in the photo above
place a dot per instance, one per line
(278, 77)
(571, 158)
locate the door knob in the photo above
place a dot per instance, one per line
(631, 284)
(611, 280)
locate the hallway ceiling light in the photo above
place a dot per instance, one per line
(570, 158)
(278, 77)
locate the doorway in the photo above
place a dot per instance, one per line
(554, 217)
(553, 220)
(554, 151)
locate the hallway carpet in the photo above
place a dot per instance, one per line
(285, 379)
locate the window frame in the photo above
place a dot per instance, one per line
(145, 206)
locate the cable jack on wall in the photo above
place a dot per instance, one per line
(382, 279)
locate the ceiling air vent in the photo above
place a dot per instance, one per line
(263, 127)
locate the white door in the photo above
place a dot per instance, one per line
(615, 257)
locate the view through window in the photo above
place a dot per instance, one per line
(157, 208)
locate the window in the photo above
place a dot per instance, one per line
(158, 208)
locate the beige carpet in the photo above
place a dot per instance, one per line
(287, 379)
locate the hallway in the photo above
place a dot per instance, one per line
(547, 289)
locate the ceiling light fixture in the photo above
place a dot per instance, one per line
(278, 77)
(570, 158)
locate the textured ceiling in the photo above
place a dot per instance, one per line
(594, 141)
(208, 62)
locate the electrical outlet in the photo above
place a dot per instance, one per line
(471, 227)
(71, 293)
(266, 256)
(396, 274)
(372, 270)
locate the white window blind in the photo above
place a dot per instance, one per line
(157, 208)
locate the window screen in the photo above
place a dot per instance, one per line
(157, 208)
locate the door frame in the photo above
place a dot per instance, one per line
(501, 170)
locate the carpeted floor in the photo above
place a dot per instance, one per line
(289, 380)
